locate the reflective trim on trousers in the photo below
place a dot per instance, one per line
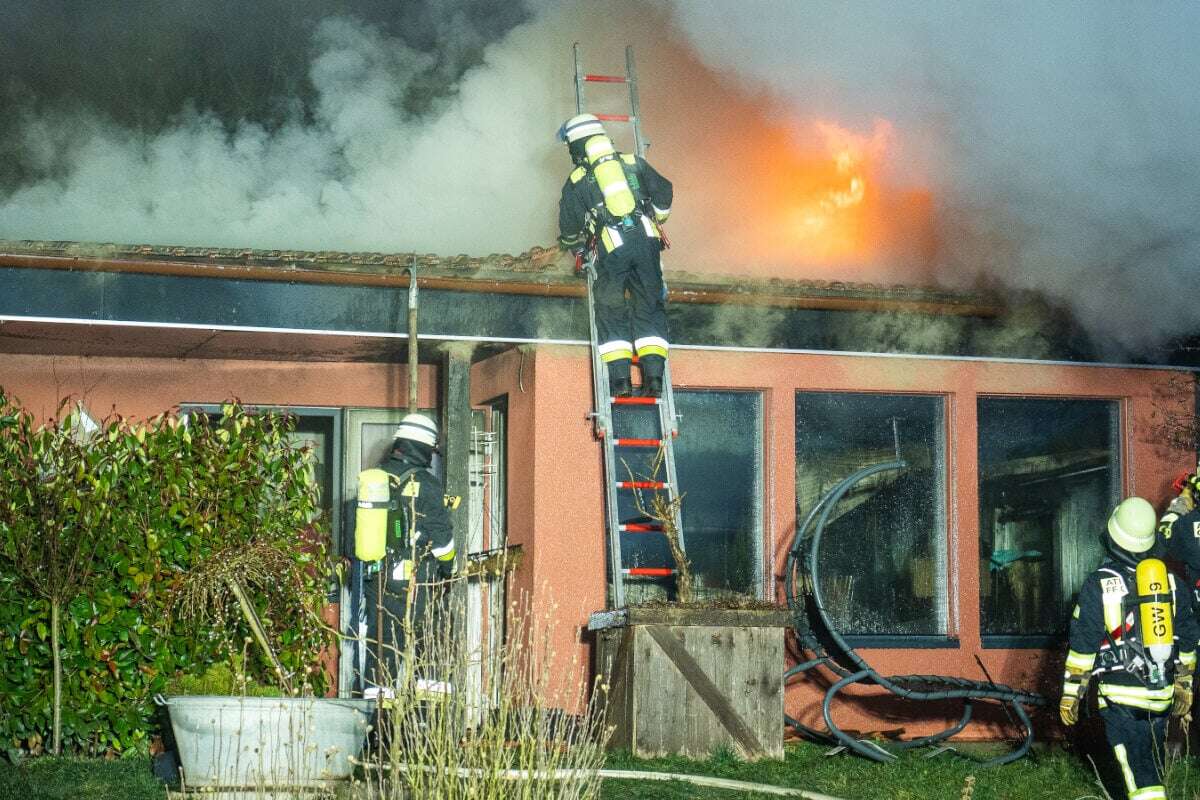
(650, 346)
(615, 350)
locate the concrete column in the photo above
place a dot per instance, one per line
(456, 432)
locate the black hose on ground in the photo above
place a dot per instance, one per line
(807, 600)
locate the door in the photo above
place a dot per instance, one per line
(368, 436)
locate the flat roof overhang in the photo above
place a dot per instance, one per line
(65, 298)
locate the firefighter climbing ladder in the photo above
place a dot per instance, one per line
(664, 480)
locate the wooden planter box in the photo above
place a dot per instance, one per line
(688, 681)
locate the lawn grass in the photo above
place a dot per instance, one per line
(67, 778)
(1047, 774)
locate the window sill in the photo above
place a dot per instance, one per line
(892, 641)
(998, 641)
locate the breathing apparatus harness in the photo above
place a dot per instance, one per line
(1142, 641)
(623, 205)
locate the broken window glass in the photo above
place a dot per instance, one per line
(718, 457)
(883, 554)
(1048, 477)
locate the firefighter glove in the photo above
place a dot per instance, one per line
(1073, 692)
(1181, 701)
(1182, 504)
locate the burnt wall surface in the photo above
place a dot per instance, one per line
(160, 299)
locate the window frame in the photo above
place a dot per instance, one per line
(758, 543)
(945, 520)
(1117, 482)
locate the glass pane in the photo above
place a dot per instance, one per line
(317, 434)
(1048, 477)
(882, 562)
(718, 460)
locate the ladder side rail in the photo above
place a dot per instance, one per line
(640, 144)
(601, 393)
(674, 494)
(602, 398)
(579, 102)
(612, 523)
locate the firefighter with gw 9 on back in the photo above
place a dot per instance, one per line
(1133, 634)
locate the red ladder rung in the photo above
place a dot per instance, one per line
(641, 484)
(615, 118)
(656, 572)
(638, 442)
(636, 401)
(604, 79)
(640, 527)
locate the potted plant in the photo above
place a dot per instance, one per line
(258, 585)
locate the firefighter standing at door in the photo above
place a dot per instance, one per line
(403, 529)
(613, 203)
(1133, 632)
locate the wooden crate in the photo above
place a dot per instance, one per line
(689, 681)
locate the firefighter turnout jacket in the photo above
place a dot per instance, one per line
(1107, 642)
(1180, 536)
(420, 537)
(613, 203)
(585, 220)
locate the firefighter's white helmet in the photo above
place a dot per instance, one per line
(418, 428)
(580, 127)
(1131, 525)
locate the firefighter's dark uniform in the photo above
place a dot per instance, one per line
(1180, 537)
(1105, 642)
(426, 557)
(627, 259)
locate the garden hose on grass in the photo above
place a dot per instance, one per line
(802, 584)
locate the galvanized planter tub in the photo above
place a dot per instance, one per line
(262, 746)
(687, 681)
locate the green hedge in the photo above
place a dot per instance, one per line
(179, 496)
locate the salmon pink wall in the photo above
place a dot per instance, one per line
(143, 387)
(561, 513)
(555, 496)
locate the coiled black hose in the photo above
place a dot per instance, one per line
(806, 601)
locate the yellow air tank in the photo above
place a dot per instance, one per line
(370, 518)
(610, 176)
(1157, 630)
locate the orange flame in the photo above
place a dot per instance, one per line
(830, 217)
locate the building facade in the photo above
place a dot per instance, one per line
(964, 562)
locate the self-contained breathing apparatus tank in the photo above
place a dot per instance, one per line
(371, 516)
(1155, 616)
(610, 176)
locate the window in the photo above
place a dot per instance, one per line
(318, 429)
(1048, 477)
(718, 460)
(882, 559)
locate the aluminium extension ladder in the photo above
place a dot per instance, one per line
(620, 521)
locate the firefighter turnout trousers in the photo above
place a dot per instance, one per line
(1138, 738)
(634, 266)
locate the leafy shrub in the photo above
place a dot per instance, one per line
(181, 493)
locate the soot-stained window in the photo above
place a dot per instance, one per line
(882, 561)
(719, 465)
(1049, 474)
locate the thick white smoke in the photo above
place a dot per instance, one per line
(478, 174)
(1061, 140)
